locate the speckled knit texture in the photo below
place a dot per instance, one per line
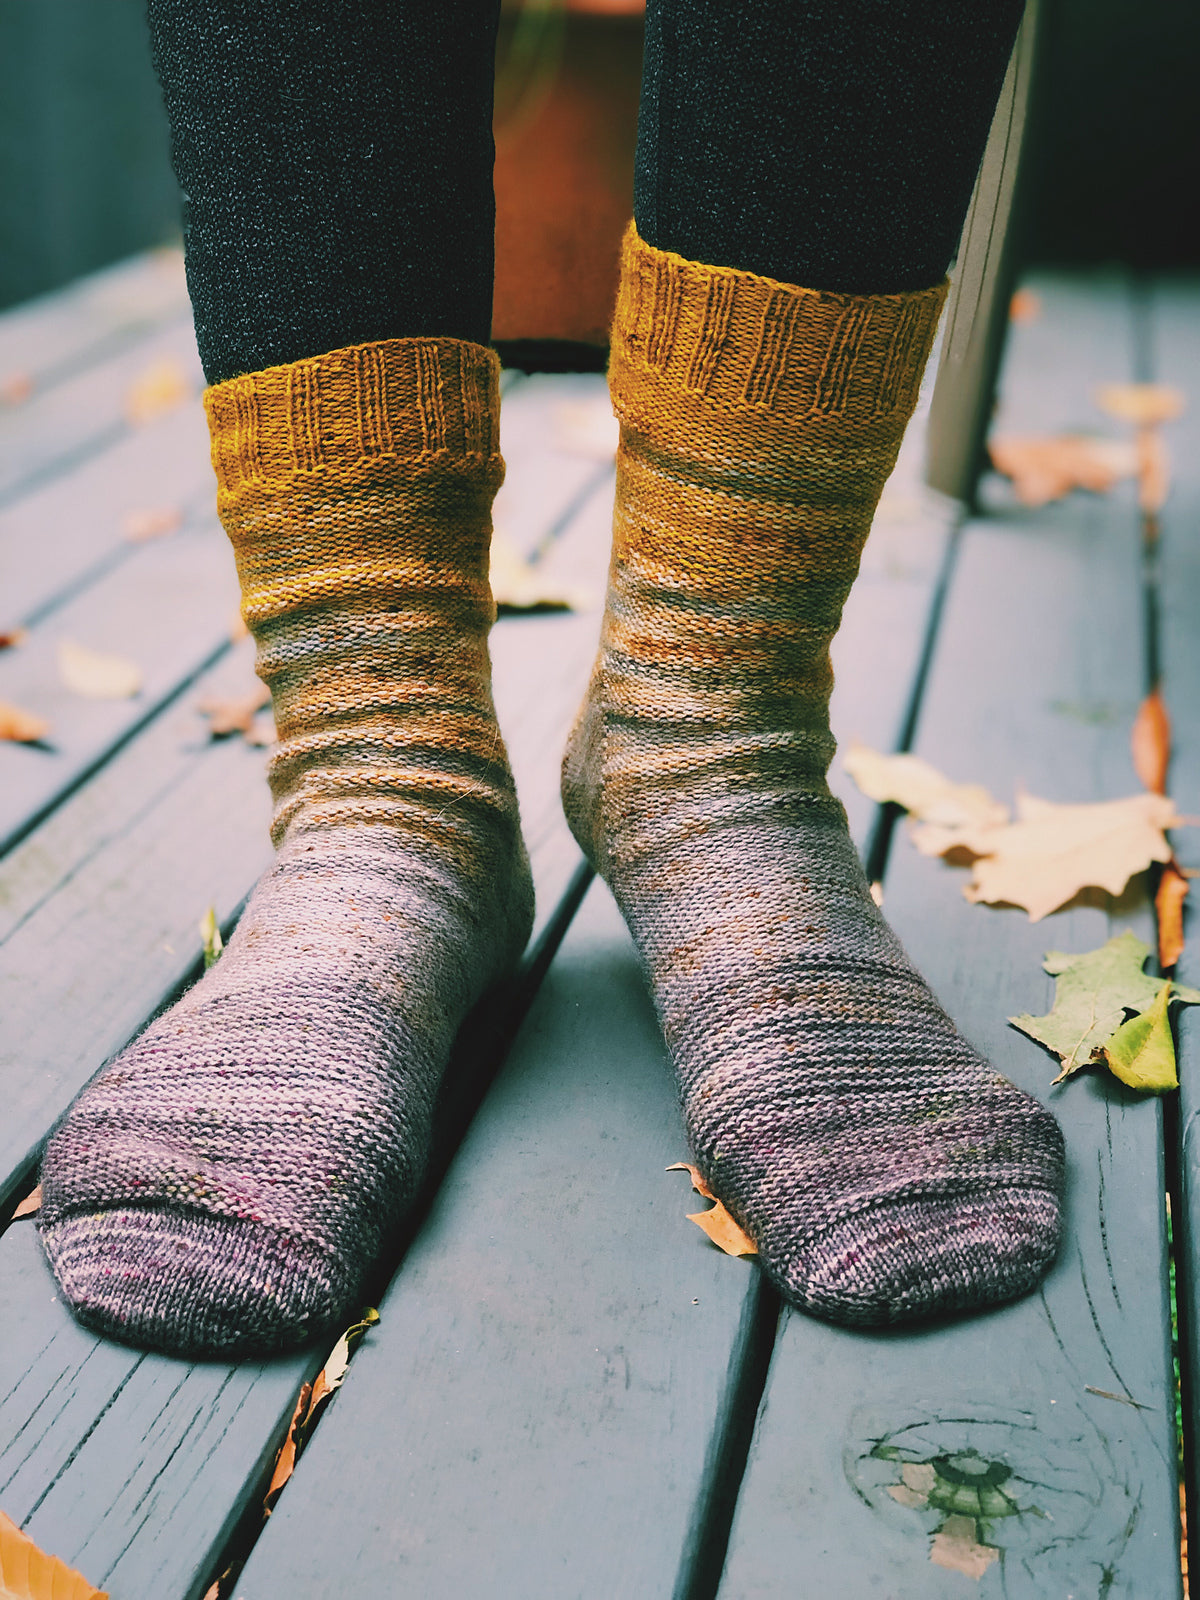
(222, 1186)
(885, 1171)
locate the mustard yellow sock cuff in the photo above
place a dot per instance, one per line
(396, 401)
(704, 339)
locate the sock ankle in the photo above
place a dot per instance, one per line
(223, 1185)
(884, 1170)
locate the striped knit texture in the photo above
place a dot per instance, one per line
(885, 1171)
(222, 1186)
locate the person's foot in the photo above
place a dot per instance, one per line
(884, 1170)
(223, 1185)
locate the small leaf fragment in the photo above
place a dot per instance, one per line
(15, 388)
(1172, 891)
(159, 389)
(210, 934)
(234, 715)
(95, 675)
(521, 585)
(151, 523)
(21, 727)
(698, 1183)
(717, 1222)
(333, 1374)
(1142, 1053)
(10, 638)
(1142, 403)
(1151, 743)
(956, 1547)
(724, 1231)
(1048, 468)
(30, 1206)
(28, 1573)
(289, 1450)
(1025, 306)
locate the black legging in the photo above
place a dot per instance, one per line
(336, 159)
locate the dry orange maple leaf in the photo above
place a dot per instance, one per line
(716, 1223)
(1143, 404)
(30, 1206)
(21, 727)
(10, 638)
(28, 1573)
(1172, 891)
(1150, 741)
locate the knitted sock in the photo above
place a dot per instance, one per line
(221, 1187)
(884, 1170)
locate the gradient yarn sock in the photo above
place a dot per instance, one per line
(884, 1170)
(221, 1187)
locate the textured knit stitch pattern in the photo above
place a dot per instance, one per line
(222, 1186)
(885, 1171)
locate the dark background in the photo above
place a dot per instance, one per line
(85, 178)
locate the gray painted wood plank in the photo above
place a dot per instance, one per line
(45, 338)
(87, 412)
(1175, 357)
(168, 609)
(551, 470)
(70, 531)
(1036, 676)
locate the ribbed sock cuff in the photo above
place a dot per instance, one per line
(741, 343)
(410, 401)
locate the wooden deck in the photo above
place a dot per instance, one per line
(570, 1394)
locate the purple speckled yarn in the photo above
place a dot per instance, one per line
(221, 1187)
(883, 1168)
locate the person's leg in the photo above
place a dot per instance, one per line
(816, 160)
(221, 1187)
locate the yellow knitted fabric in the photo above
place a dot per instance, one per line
(882, 1168)
(356, 488)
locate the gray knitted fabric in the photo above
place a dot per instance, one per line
(222, 1186)
(883, 1169)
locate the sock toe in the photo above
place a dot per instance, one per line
(925, 1256)
(194, 1285)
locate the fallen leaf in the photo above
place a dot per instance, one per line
(1151, 743)
(21, 727)
(210, 935)
(717, 1222)
(159, 389)
(694, 1173)
(10, 638)
(1052, 852)
(16, 388)
(956, 1546)
(1142, 1053)
(236, 715)
(1173, 888)
(1045, 469)
(1142, 403)
(30, 1206)
(27, 1573)
(921, 789)
(1153, 471)
(151, 523)
(1122, 1399)
(1025, 306)
(333, 1374)
(520, 585)
(289, 1450)
(98, 677)
(1092, 993)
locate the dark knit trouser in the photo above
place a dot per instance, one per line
(336, 160)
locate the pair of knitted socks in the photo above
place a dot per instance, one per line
(223, 1185)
